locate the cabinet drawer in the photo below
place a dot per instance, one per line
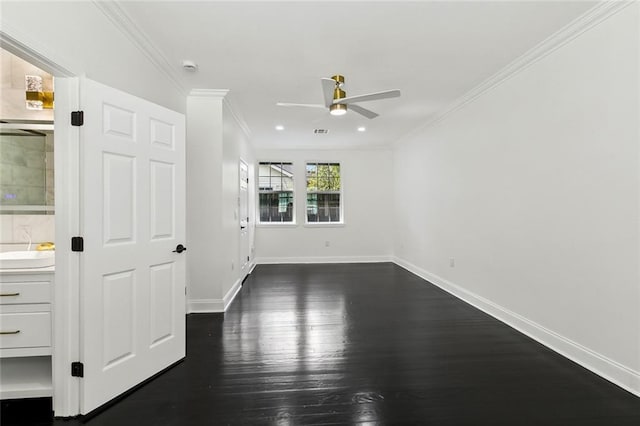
(34, 330)
(27, 292)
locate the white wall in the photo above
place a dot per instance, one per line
(533, 188)
(367, 231)
(79, 37)
(204, 197)
(215, 145)
(235, 147)
(16, 230)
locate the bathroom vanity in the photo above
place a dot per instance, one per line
(26, 333)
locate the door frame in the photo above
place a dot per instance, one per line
(245, 265)
(67, 183)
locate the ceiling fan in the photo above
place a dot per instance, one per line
(336, 100)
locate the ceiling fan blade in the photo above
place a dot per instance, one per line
(289, 104)
(368, 97)
(328, 85)
(363, 111)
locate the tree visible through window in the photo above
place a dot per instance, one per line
(275, 189)
(323, 192)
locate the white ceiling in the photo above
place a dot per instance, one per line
(268, 52)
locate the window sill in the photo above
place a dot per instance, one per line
(324, 225)
(276, 225)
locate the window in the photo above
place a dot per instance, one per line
(275, 189)
(323, 192)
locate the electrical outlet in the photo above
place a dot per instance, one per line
(452, 262)
(327, 243)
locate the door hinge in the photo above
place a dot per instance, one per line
(77, 244)
(77, 118)
(77, 369)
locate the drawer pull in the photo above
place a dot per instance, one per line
(9, 294)
(10, 332)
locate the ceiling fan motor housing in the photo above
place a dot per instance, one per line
(339, 79)
(338, 93)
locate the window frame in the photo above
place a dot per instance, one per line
(293, 191)
(334, 224)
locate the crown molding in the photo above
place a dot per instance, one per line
(238, 118)
(222, 94)
(122, 21)
(209, 93)
(591, 18)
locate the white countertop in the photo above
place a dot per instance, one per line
(45, 270)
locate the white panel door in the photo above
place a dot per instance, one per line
(133, 219)
(244, 218)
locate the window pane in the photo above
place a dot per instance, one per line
(312, 177)
(312, 207)
(323, 192)
(323, 207)
(276, 207)
(275, 191)
(335, 177)
(311, 168)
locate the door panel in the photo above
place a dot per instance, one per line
(162, 134)
(118, 317)
(162, 282)
(162, 195)
(133, 217)
(119, 193)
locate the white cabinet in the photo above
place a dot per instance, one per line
(25, 334)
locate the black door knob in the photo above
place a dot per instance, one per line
(180, 248)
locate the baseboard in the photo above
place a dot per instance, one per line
(231, 294)
(195, 306)
(199, 306)
(616, 373)
(323, 259)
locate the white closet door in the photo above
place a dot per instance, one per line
(133, 218)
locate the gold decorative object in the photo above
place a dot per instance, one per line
(46, 246)
(36, 98)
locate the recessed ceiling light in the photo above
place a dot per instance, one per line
(362, 129)
(279, 127)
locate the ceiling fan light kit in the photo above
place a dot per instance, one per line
(338, 109)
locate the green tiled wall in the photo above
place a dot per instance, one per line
(23, 170)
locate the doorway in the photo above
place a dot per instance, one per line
(27, 216)
(63, 212)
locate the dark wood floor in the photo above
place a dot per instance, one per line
(360, 344)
